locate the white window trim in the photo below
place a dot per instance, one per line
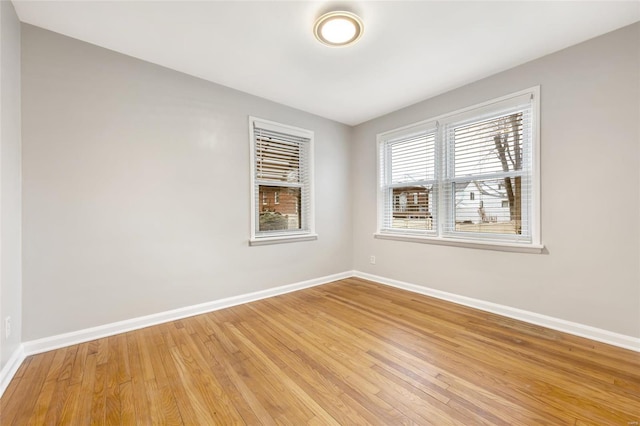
(459, 242)
(535, 246)
(288, 236)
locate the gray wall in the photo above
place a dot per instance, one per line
(136, 190)
(590, 139)
(10, 193)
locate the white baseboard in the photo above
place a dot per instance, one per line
(67, 339)
(11, 368)
(593, 333)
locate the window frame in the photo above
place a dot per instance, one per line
(444, 213)
(275, 237)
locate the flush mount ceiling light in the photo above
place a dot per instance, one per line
(338, 29)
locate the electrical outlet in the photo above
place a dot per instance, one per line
(372, 260)
(7, 327)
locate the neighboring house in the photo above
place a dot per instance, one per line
(482, 202)
(411, 202)
(476, 202)
(412, 208)
(283, 201)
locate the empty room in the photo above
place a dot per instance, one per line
(319, 212)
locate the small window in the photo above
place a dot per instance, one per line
(282, 180)
(472, 196)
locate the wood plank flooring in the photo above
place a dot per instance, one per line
(350, 352)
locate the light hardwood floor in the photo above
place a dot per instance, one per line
(350, 352)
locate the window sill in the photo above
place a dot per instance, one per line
(483, 245)
(262, 241)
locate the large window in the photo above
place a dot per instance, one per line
(282, 182)
(468, 177)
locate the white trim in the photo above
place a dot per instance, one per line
(428, 126)
(488, 110)
(536, 198)
(577, 329)
(459, 242)
(263, 241)
(61, 340)
(11, 368)
(252, 178)
(274, 126)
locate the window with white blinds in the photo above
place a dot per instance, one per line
(408, 181)
(471, 175)
(282, 181)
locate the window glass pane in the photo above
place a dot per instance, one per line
(280, 210)
(412, 208)
(489, 146)
(496, 208)
(413, 159)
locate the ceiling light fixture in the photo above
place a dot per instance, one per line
(338, 29)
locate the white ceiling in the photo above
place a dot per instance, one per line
(410, 50)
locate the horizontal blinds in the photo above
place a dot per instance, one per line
(488, 185)
(279, 157)
(489, 146)
(408, 182)
(282, 184)
(413, 159)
